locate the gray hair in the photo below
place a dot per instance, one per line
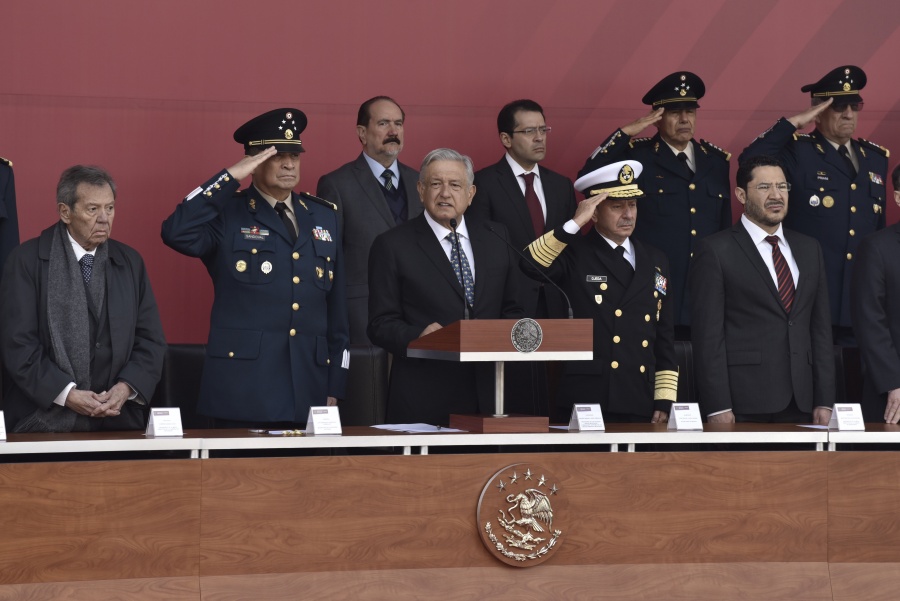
(71, 178)
(448, 154)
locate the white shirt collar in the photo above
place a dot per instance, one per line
(518, 170)
(758, 235)
(689, 151)
(272, 201)
(441, 232)
(629, 249)
(79, 250)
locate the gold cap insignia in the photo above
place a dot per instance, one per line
(626, 175)
(288, 134)
(846, 87)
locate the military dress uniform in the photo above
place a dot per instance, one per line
(634, 371)
(678, 208)
(278, 330)
(826, 201)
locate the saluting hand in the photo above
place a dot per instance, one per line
(636, 127)
(586, 209)
(809, 115)
(247, 165)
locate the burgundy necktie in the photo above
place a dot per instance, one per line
(783, 273)
(534, 205)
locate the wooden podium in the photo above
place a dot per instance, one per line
(491, 340)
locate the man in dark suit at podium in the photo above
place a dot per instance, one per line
(369, 204)
(421, 281)
(529, 200)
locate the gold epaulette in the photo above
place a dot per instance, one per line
(876, 147)
(704, 144)
(545, 249)
(320, 201)
(666, 388)
(639, 142)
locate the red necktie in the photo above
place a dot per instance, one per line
(783, 273)
(534, 205)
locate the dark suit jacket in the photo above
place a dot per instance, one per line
(414, 285)
(876, 321)
(676, 211)
(9, 220)
(32, 377)
(751, 355)
(817, 172)
(363, 214)
(278, 326)
(498, 198)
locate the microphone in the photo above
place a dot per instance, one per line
(458, 266)
(543, 275)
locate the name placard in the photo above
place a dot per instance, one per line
(164, 421)
(2, 427)
(685, 417)
(586, 418)
(323, 421)
(847, 417)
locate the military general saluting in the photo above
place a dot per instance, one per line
(278, 330)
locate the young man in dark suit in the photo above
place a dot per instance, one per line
(421, 283)
(760, 323)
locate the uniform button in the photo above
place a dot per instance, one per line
(231, 354)
(218, 187)
(849, 256)
(660, 191)
(603, 286)
(720, 196)
(327, 361)
(692, 187)
(97, 345)
(646, 318)
(692, 255)
(655, 294)
(253, 251)
(614, 365)
(618, 312)
(645, 344)
(296, 279)
(295, 306)
(693, 232)
(226, 178)
(616, 339)
(643, 369)
(853, 186)
(852, 232)
(293, 332)
(852, 209)
(821, 189)
(693, 210)
(328, 259)
(295, 256)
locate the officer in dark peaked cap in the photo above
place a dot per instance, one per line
(686, 182)
(278, 334)
(623, 285)
(838, 187)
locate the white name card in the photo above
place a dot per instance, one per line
(164, 421)
(2, 427)
(847, 416)
(686, 417)
(586, 418)
(323, 421)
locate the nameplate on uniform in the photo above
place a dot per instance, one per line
(586, 418)
(164, 421)
(847, 417)
(2, 427)
(685, 417)
(323, 421)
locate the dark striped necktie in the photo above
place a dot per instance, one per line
(783, 273)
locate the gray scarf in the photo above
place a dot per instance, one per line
(70, 330)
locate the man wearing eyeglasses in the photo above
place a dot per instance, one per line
(529, 200)
(687, 185)
(838, 183)
(760, 323)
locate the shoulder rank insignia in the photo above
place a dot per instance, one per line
(704, 144)
(610, 142)
(5, 161)
(639, 142)
(877, 147)
(318, 200)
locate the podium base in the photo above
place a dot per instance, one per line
(488, 424)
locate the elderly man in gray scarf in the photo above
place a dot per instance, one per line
(80, 336)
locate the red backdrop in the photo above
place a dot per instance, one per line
(153, 90)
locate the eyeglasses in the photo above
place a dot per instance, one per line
(782, 187)
(531, 131)
(840, 108)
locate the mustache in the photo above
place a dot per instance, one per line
(393, 139)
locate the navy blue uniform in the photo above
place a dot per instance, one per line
(676, 211)
(826, 202)
(278, 328)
